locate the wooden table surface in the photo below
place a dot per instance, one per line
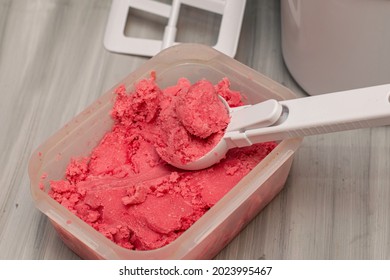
(335, 204)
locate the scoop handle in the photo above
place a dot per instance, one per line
(338, 111)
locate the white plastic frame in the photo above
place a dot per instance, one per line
(232, 12)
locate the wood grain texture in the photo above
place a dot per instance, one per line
(336, 202)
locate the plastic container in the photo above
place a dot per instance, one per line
(217, 227)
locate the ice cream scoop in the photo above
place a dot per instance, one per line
(274, 120)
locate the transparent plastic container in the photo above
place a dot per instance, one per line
(217, 227)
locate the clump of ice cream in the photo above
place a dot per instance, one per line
(127, 192)
(201, 111)
(192, 123)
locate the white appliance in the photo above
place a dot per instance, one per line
(334, 45)
(232, 12)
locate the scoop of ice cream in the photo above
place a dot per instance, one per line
(201, 111)
(191, 123)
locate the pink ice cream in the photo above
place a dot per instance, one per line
(127, 192)
(192, 123)
(201, 111)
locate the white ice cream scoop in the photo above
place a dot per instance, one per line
(273, 120)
